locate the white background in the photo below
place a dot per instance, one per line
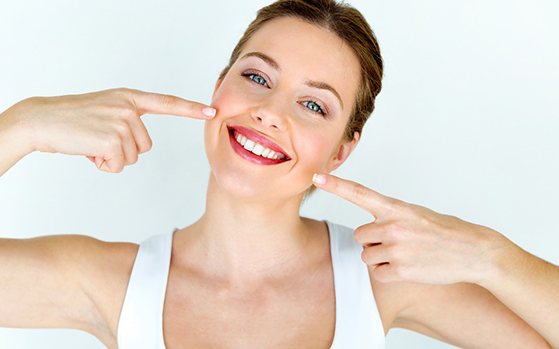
(466, 124)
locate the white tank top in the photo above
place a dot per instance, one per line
(358, 324)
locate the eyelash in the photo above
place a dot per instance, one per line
(251, 75)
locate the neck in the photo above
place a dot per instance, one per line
(243, 242)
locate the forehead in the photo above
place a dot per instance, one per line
(307, 51)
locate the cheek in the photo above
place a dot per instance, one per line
(314, 151)
(230, 99)
(224, 102)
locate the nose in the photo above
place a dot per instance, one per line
(271, 114)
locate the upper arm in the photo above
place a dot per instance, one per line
(57, 281)
(462, 314)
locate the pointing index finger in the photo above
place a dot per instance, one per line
(368, 199)
(156, 103)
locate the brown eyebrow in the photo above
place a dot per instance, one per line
(316, 84)
(324, 86)
(263, 57)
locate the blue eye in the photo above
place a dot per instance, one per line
(314, 107)
(256, 78)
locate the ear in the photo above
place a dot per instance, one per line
(342, 153)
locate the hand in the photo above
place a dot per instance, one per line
(407, 242)
(105, 126)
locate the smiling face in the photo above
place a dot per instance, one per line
(292, 90)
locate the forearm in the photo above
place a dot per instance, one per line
(14, 141)
(529, 286)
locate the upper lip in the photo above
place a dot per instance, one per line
(258, 138)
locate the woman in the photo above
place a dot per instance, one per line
(267, 276)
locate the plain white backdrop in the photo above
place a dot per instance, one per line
(466, 124)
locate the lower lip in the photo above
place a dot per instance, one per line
(250, 156)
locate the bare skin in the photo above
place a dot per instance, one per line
(80, 282)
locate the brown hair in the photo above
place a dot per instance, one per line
(350, 25)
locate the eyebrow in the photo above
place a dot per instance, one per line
(316, 84)
(271, 62)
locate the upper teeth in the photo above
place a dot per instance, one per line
(257, 148)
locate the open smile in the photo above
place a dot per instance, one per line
(254, 147)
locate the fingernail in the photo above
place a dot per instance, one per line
(319, 179)
(209, 112)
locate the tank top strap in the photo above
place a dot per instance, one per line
(358, 322)
(141, 319)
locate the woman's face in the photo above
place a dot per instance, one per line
(291, 91)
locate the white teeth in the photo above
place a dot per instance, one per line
(249, 145)
(266, 152)
(257, 148)
(239, 138)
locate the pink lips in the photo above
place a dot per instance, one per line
(265, 142)
(250, 156)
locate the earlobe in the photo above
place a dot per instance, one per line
(344, 150)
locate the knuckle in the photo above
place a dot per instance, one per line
(122, 90)
(407, 207)
(369, 255)
(127, 112)
(121, 128)
(394, 205)
(118, 93)
(393, 201)
(131, 157)
(357, 234)
(112, 143)
(360, 191)
(424, 221)
(145, 146)
(115, 165)
(168, 100)
(365, 256)
(395, 231)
